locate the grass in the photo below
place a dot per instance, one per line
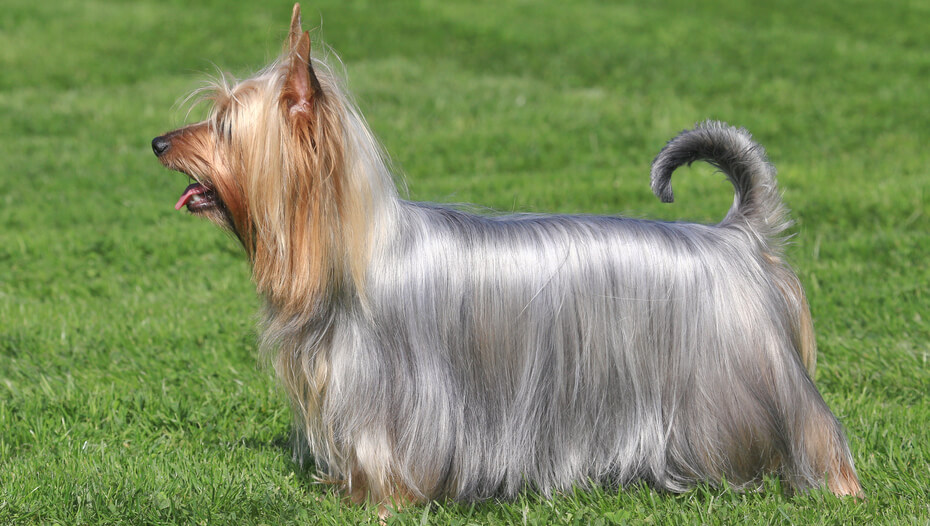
(130, 389)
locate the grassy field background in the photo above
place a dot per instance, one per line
(130, 387)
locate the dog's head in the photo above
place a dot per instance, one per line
(269, 165)
(260, 134)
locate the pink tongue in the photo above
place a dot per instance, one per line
(191, 191)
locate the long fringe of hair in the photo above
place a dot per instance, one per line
(432, 353)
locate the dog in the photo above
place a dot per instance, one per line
(431, 353)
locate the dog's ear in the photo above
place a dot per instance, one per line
(294, 35)
(301, 87)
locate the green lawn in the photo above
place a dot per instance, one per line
(130, 387)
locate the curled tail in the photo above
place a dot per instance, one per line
(757, 203)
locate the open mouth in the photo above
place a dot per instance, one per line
(197, 198)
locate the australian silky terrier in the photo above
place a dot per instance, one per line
(431, 353)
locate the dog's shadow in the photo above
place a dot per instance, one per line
(295, 459)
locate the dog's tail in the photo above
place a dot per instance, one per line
(757, 203)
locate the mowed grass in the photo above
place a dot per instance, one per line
(131, 390)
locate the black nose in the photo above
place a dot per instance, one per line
(160, 145)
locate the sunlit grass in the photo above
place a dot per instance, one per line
(130, 388)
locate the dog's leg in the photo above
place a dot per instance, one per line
(826, 454)
(389, 497)
(762, 418)
(373, 479)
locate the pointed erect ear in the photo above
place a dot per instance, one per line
(301, 87)
(295, 32)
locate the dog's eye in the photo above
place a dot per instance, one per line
(222, 128)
